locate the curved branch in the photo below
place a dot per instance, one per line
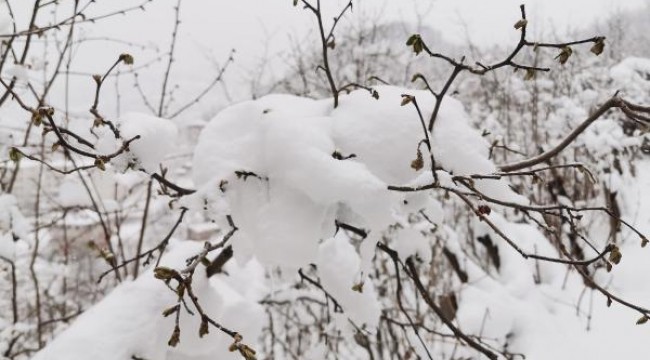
(547, 155)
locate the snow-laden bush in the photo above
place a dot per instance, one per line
(288, 171)
(286, 168)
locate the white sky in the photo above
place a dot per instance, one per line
(210, 28)
(243, 23)
(216, 26)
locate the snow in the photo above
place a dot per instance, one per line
(537, 319)
(279, 225)
(631, 69)
(338, 267)
(13, 226)
(299, 188)
(383, 134)
(157, 140)
(632, 77)
(412, 242)
(7, 247)
(20, 72)
(5, 22)
(72, 193)
(234, 139)
(131, 314)
(286, 207)
(286, 168)
(129, 322)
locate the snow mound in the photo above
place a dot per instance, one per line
(157, 140)
(632, 77)
(287, 167)
(128, 323)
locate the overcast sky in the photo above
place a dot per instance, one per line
(256, 28)
(247, 24)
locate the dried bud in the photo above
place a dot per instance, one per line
(609, 301)
(416, 42)
(204, 329)
(15, 155)
(564, 55)
(418, 76)
(164, 273)
(484, 210)
(55, 146)
(295, 2)
(127, 59)
(406, 99)
(97, 78)
(521, 23)
(108, 256)
(175, 338)
(171, 310)
(599, 46)
(99, 163)
(362, 340)
(418, 163)
(530, 74)
(247, 352)
(615, 255)
(644, 241)
(642, 320)
(46, 111)
(223, 185)
(37, 118)
(358, 287)
(375, 94)
(331, 44)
